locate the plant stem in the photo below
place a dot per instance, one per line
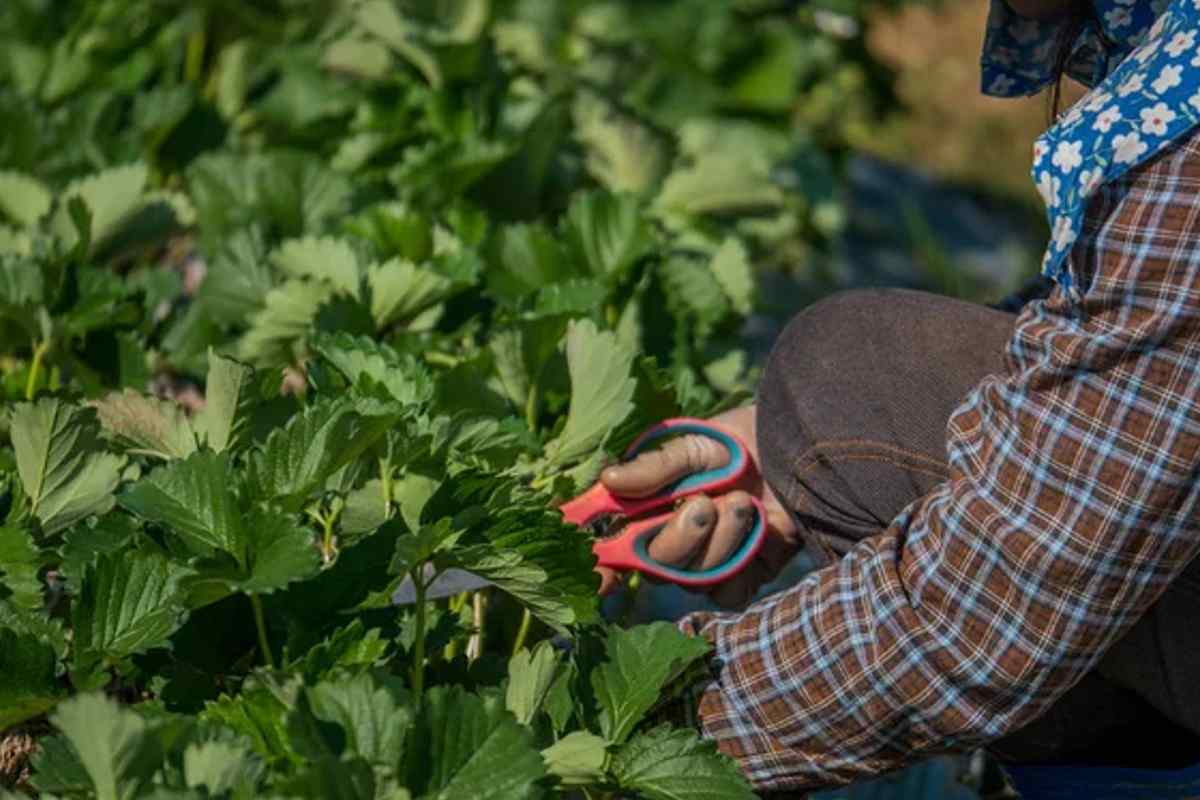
(522, 632)
(455, 605)
(260, 623)
(531, 407)
(441, 359)
(418, 666)
(385, 481)
(194, 60)
(328, 539)
(479, 616)
(35, 368)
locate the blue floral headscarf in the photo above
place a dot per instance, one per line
(1142, 62)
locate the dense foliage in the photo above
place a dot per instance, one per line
(298, 300)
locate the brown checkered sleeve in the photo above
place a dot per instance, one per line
(1070, 507)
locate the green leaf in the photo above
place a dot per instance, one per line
(196, 499)
(113, 197)
(560, 705)
(348, 650)
(522, 352)
(607, 233)
(147, 425)
(400, 290)
(21, 283)
(525, 548)
(381, 19)
(394, 230)
(64, 469)
(297, 459)
(693, 288)
(222, 768)
(529, 258)
(57, 770)
(127, 603)
(422, 544)
(601, 392)
(323, 258)
(725, 372)
(20, 562)
(531, 673)
(727, 171)
(23, 199)
(39, 624)
(574, 297)
(224, 188)
(374, 714)
(233, 77)
(280, 552)
(641, 662)
(623, 154)
(299, 192)
(366, 509)
(578, 759)
(14, 242)
(666, 764)
(723, 184)
(412, 492)
(113, 744)
(464, 747)
(731, 267)
(238, 279)
(259, 715)
(226, 393)
(403, 377)
(83, 542)
(286, 316)
(332, 778)
(29, 687)
(359, 57)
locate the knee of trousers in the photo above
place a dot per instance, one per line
(823, 360)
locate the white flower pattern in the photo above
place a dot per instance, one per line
(1144, 96)
(1180, 43)
(1128, 147)
(1048, 187)
(1156, 119)
(1106, 119)
(1068, 156)
(1134, 83)
(1118, 18)
(1170, 77)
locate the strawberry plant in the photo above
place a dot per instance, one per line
(303, 301)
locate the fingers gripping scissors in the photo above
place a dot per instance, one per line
(624, 532)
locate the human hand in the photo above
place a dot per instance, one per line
(705, 531)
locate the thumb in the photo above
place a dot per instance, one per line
(650, 471)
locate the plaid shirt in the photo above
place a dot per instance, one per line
(1070, 507)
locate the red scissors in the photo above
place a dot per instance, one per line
(624, 539)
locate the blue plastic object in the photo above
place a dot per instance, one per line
(1105, 783)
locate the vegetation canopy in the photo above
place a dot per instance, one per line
(299, 300)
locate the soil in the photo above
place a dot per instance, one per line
(16, 748)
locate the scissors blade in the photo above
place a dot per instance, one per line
(448, 584)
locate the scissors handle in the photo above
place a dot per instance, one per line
(598, 500)
(629, 549)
